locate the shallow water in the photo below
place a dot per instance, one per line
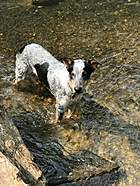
(107, 30)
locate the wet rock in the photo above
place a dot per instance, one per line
(15, 154)
(9, 173)
(112, 117)
(33, 157)
(59, 165)
(117, 87)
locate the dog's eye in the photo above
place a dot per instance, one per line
(72, 75)
(84, 73)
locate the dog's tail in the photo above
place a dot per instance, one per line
(21, 48)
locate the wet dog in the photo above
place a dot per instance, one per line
(65, 80)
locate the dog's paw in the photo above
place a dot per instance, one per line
(55, 120)
(15, 82)
(68, 114)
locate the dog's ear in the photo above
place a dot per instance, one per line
(67, 62)
(93, 64)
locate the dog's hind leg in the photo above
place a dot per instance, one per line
(21, 68)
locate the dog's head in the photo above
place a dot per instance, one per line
(80, 70)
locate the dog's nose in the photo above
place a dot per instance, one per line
(78, 90)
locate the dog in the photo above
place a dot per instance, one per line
(65, 79)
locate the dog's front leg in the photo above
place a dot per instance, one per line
(59, 113)
(61, 105)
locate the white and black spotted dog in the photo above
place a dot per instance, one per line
(65, 80)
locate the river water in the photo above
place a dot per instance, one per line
(109, 123)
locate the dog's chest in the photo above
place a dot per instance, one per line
(58, 78)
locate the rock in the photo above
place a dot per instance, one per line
(59, 166)
(9, 173)
(30, 158)
(116, 86)
(15, 156)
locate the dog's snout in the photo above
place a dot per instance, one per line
(78, 90)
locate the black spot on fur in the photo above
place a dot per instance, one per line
(42, 71)
(21, 49)
(88, 69)
(70, 68)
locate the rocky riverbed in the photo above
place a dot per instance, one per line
(99, 145)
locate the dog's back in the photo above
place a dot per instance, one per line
(36, 54)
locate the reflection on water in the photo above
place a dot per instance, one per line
(90, 28)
